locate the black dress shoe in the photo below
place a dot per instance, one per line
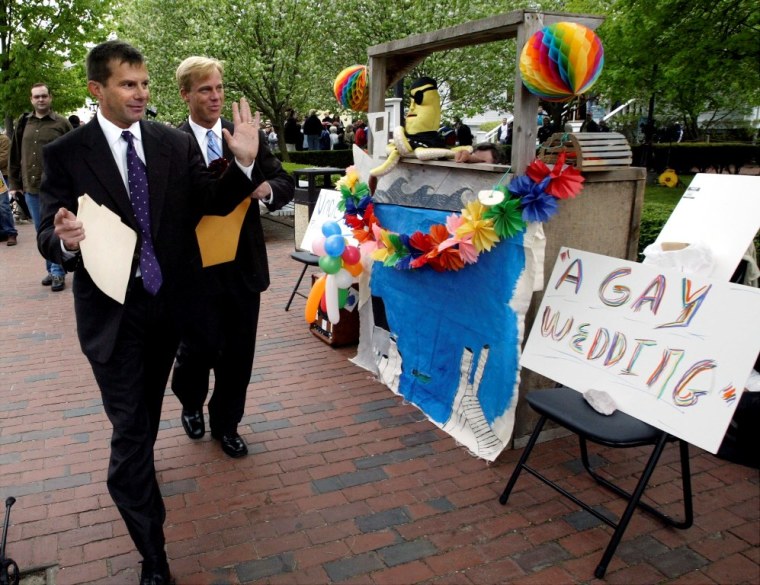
(192, 422)
(232, 444)
(156, 575)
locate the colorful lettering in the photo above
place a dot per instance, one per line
(549, 325)
(623, 292)
(577, 340)
(603, 336)
(617, 349)
(683, 396)
(640, 344)
(657, 286)
(666, 355)
(576, 278)
(691, 304)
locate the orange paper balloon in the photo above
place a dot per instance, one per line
(312, 302)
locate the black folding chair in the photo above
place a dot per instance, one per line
(569, 409)
(308, 259)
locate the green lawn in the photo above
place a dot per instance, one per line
(659, 195)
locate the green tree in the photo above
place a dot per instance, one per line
(46, 41)
(270, 49)
(473, 79)
(685, 57)
(285, 54)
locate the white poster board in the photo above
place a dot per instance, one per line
(325, 209)
(672, 350)
(720, 211)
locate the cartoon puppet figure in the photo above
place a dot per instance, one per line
(419, 137)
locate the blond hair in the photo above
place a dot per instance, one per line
(194, 68)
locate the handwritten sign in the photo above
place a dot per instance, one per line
(672, 350)
(325, 209)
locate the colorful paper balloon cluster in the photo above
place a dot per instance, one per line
(351, 88)
(561, 61)
(341, 264)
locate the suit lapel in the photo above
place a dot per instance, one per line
(98, 157)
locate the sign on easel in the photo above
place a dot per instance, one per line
(672, 350)
(326, 209)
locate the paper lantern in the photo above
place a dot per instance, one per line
(351, 88)
(561, 61)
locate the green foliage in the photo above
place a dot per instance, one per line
(653, 217)
(693, 57)
(286, 53)
(488, 126)
(45, 41)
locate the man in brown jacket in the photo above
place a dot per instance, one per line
(33, 131)
(8, 233)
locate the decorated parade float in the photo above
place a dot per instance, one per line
(450, 257)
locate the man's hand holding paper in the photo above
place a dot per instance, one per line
(108, 249)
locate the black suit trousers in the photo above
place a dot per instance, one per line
(219, 333)
(132, 384)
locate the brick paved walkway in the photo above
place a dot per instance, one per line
(345, 482)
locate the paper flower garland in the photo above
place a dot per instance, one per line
(464, 237)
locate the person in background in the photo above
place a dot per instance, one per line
(502, 134)
(8, 232)
(312, 129)
(154, 179)
(334, 138)
(75, 121)
(292, 131)
(589, 124)
(33, 131)
(221, 336)
(546, 130)
(464, 134)
(360, 134)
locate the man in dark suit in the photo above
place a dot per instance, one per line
(225, 304)
(154, 178)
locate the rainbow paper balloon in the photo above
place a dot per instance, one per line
(561, 61)
(351, 88)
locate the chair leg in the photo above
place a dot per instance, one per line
(685, 480)
(521, 464)
(295, 288)
(601, 568)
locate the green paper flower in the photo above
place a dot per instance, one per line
(507, 218)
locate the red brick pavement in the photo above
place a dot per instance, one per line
(345, 482)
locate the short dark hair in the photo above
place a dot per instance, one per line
(499, 157)
(40, 84)
(100, 57)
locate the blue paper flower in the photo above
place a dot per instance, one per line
(537, 204)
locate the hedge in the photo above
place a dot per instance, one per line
(685, 156)
(321, 158)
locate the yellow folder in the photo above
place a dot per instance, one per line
(218, 235)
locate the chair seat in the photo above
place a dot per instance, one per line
(305, 257)
(569, 408)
